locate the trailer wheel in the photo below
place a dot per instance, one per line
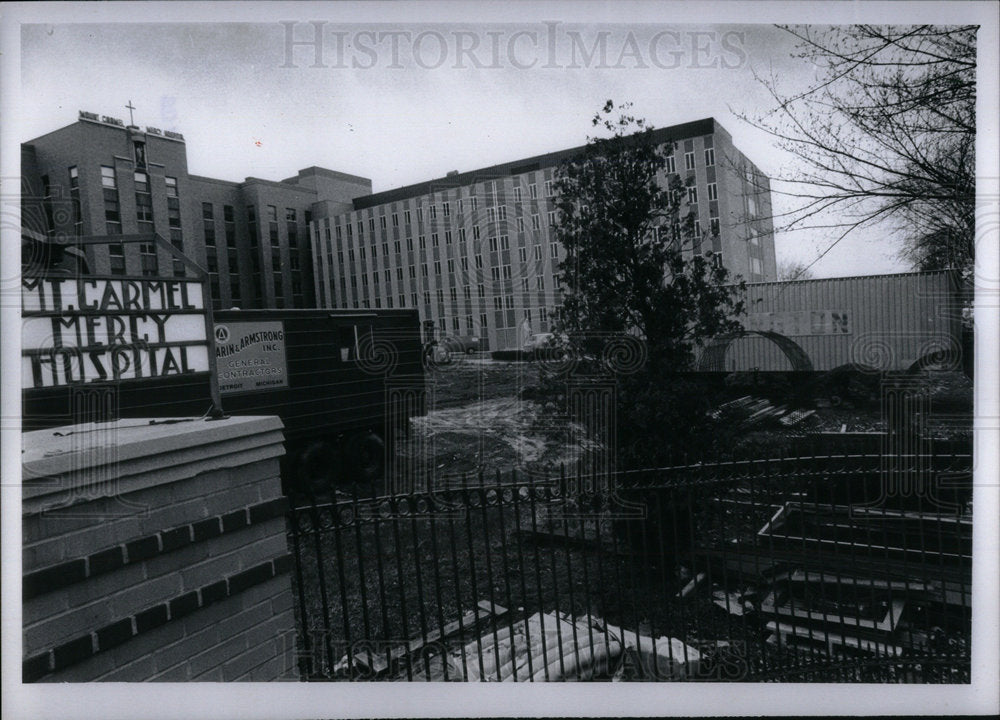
(368, 453)
(316, 467)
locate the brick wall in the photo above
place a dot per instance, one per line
(164, 559)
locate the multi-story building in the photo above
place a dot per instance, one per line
(100, 177)
(476, 252)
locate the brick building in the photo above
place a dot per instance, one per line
(101, 177)
(475, 252)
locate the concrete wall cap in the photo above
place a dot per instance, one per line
(58, 451)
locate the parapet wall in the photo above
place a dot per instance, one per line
(156, 550)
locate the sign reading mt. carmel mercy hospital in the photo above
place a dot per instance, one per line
(250, 356)
(100, 329)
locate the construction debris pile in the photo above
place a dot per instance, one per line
(750, 412)
(543, 647)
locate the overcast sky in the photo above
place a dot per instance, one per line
(403, 101)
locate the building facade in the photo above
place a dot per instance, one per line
(476, 252)
(99, 177)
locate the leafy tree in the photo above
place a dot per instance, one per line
(633, 268)
(632, 261)
(886, 132)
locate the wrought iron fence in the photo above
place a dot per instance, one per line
(798, 569)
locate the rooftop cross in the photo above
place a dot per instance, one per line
(130, 107)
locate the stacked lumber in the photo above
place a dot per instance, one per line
(551, 647)
(750, 412)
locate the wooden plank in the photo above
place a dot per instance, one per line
(378, 664)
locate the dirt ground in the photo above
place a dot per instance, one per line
(477, 421)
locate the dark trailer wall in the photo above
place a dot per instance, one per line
(349, 379)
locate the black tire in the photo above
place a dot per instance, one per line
(368, 457)
(469, 351)
(316, 468)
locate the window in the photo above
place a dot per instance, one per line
(709, 156)
(755, 266)
(498, 303)
(554, 250)
(461, 235)
(495, 273)
(381, 222)
(504, 243)
(715, 225)
(493, 244)
(413, 271)
(361, 252)
(420, 215)
(475, 232)
(468, 322)
(671, 165)
(141, 182)
(171, 186)
(535, 223)
(474, 201)
(290, 215)
(482, 321)
(446, 209)
(552, 218)
(467, 292)
(522, 254)
(481, 290)
(692, 194)
(422, 242)
(371, 225)
(116, 254)
(409, 244)
(272, 213)
(543, 314)
(374, 252)
(509, 301)
(520, 224)
(479, 262)
(423, 269)
(406, 218)
(434, 212)
(108, 177)
(506, 272)
(451, 265)
(548, 188)
(538, 252)
(540, 283)
(524, 283)
(517, 194)
(713, 191)
(453, 293)
(434, 239)
(437, 267)
(689, 161)
(533, 191)
(396, 247)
